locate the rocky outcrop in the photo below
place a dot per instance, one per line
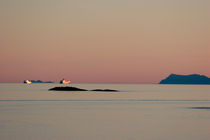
(79, 89)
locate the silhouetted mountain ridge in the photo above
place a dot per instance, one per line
(186, 79)
(39, 81)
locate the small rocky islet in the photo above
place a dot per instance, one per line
(67, 88)
(193, 79)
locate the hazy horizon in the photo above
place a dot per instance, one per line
(122, 82)
(103, 41)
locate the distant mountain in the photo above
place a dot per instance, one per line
(186, 79)
(39, 81)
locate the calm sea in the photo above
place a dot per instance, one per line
(137, 112)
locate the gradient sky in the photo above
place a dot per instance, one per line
(103, 41)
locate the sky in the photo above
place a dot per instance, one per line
(103, 41)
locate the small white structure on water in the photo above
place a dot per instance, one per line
(27, 82)
(63, 81)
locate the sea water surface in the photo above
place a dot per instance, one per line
(137, 112)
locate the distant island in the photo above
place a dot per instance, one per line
(186, 79)
(39, 81)
(79, 89)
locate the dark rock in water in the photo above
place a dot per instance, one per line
(67, 89)
(79, 89)
(186, 79)
(205, 108)
(105, 90)
(39, 81)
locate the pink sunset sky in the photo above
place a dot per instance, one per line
(103, 41)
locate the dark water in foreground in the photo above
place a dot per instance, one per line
(137, 112)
